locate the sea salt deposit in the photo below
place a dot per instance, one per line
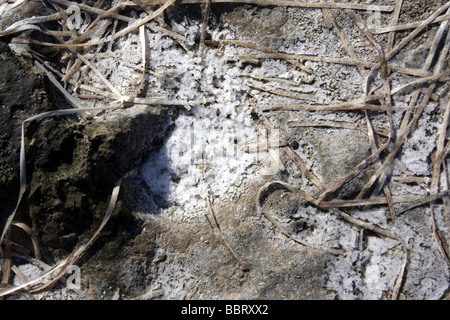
(218, 149)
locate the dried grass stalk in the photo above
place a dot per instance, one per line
(344, 61)
(409, 123)
(143, 21)
(284, 93)
(441, 152)
(93, 9)
(30, 23)
(201, 47)
(394, 19)
(335, 124)
(441, 77)
(361, 103)
(330, 20)
(250, 45)
(32, 235)
(280, 80)
(262, 193)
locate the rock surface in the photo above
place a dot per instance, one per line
(71, 166)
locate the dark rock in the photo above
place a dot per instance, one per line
(71, 166)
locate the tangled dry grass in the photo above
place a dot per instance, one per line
(385, 141)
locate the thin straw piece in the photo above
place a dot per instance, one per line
(250, 45)
(407, 123)
(142, 21)
(437, 77)
(344, 61)
(406, 26)
(394, 19)
(262, 194)
(385, 83)
(55, 82)
(416, 31)
(434, 185)
(284, 93)
(22, 161)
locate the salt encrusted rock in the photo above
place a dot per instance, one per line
(71, 166)
(22, 94)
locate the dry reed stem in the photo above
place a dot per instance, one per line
(329, 19)
(135, 24)
(441, 152)
(266, 79)
(394, 19)
(32, 235)
(108, 13)
(356, 104)
(93, 9)
(177, 37)
(336, 124)
(254, 46)
(29, 23)
(387, 100)
(333, 204)
(441, 77)
(142, 21)
(262, 194)
(407, 26)
(303, 168)
(344, 61)
(375, 151)
(244, 265)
